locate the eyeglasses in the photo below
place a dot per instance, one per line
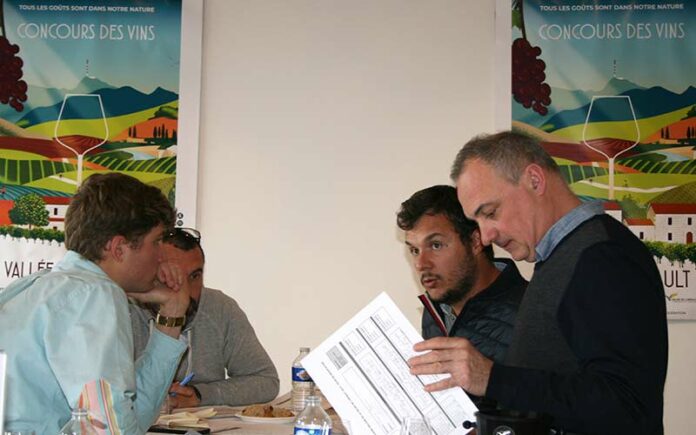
(183, 234)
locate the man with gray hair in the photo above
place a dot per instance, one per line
(590, 345)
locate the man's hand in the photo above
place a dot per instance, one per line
(185, 396)
(170, 291)
(174, 287)
(455, 356)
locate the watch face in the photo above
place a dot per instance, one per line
(170, 321)
(503, 430)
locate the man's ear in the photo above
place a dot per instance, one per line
(535, 178)
(115, 248)
(475, 241)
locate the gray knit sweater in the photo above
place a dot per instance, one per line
(220, 340)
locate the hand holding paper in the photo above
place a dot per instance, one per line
(362, 370)
(467, 367)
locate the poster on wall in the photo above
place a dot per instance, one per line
(85, 88)
(608, 88)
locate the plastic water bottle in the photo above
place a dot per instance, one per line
(79, 424)
(302, 384)
(313, 420)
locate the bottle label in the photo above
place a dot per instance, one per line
(312, 431)
(299, 374)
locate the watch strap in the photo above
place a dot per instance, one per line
(170, 322)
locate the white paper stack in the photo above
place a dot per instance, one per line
(362, 371)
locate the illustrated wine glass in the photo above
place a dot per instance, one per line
(415, 426)
(81, 126)
(605, 135)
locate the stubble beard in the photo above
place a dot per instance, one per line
(462, 288)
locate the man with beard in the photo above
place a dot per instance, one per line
(231, 366)
(468, 293)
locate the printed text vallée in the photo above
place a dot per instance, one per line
(114, 32)
(18, 269)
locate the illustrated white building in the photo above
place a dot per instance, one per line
(56, 206)
(643, 228)
(673, 222)
(613, 209)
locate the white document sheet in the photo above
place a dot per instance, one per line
(362, 371)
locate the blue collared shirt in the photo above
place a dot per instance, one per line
(67, 334)
(565, 225)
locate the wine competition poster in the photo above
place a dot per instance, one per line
(91, 87)
(608, 87)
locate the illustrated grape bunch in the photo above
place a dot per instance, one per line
(528, 87)
(13, 90)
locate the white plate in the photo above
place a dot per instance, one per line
(275, 420)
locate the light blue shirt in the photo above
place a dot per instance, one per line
(68, 327)
(565, 225)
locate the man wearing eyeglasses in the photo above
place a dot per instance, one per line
(219, 336)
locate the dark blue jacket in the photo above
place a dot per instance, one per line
(488, 318)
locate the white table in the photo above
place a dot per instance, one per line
(222, 425)
(226, 423)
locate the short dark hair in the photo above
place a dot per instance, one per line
(508, 152)
(436, 200)
(112, 204)
(185, 239)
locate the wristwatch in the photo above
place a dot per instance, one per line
(170, 322)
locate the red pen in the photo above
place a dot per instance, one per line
(428, 304)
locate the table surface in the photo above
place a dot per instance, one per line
(226, 422)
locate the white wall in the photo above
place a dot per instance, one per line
(318, 119)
